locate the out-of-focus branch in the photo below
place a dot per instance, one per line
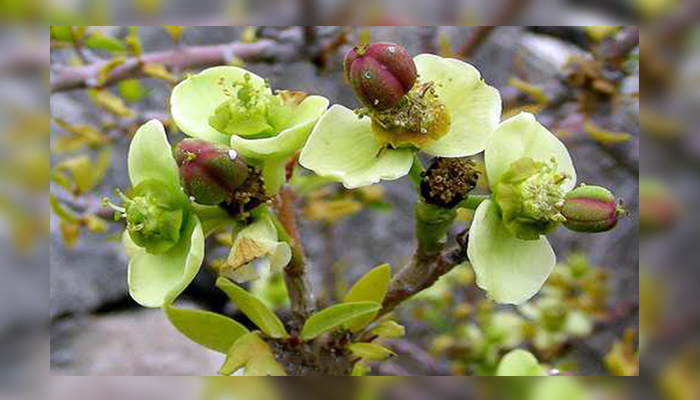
(72, 78)
(615, 52)
(28, 61)
(295, 274)
(505, 16)
(419, 275)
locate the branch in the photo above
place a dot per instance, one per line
(295, 275)
(72, 78)
(420, 274)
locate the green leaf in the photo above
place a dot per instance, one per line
(370, 351)
(519, 363)
(131, 90)
(62, 33)
(389, 330)
(99, 41)
(262, 316)
(251, 352)
(371, 287)
(335, 316)
(175, 32)
(213, 331)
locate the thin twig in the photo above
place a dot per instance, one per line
(72, 78)
(295, 274)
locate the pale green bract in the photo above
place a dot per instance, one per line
(343, 146)
(509, 269)
(157, 279)
(196, 99)
(256, 251)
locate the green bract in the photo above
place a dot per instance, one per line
(234, 107)
(530, 171)
(164, 239)
(356, 152)
(256, 251)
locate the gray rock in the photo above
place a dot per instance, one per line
(87, 276)
(128, 343)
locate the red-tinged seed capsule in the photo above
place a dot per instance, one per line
(209, 173)
(590, 209)
(380, 74)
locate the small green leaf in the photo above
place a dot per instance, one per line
(360, 369)
(371, 351)
(131, 90)
(213, 331)
(258, 312)
(335, 316)
(62, 33)
(175, 32)
(251, 352)
(520, 363)
(389, 330)
(371, 287)
(99, 41)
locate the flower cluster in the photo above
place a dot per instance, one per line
(442, 107)
(243, 135)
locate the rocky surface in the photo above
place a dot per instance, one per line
(138, 342)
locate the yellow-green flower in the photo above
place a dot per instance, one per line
(529, 171)
(164, 239)
(234, 107)
(450, 112)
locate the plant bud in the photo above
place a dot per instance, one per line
(380, 74)
(590, 209)
(209, 173)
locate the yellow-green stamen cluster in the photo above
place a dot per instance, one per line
(543, 195)
(419, 119)
(151, 222)
(530, 196)
(250, 110)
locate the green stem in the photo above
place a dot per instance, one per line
(415, 174)
(474, 201)
(432, 224)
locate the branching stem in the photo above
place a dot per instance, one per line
(295, 274)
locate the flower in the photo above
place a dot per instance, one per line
(164, 239)
(530, 172)
(256, 251)
(234, 107)
(450, 112)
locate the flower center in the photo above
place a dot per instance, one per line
(252, 111)
(543, 195)
(152, 219)
(531, 196)
(419, 119)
